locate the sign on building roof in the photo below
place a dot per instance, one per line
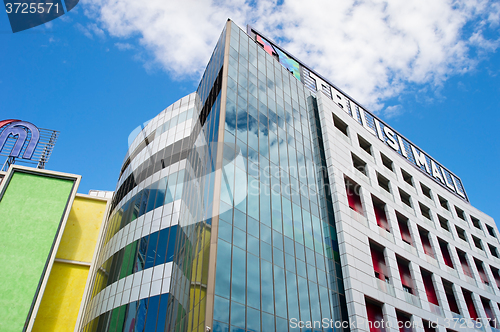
(22, 142)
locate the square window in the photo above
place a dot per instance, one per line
(491, 231)
(477, 242)
(359, 164)
(450, 296)
(405, 197)
(482, 273)
(476, 222)
(340, 125)
(383, 183)
(460, 213)
(365, 145)
(430, 326)
(493, 250)
(444, 223)
(429, 287)
(462, 256)
(353, 195)
(379, 263)
(426, 242)
(380, 213)
(374, 310)
(387, 162)
(404, 228)
(407, 177)
(426, 191)
(461, 233)
(426, 212)
(444, 203)
(405, 320)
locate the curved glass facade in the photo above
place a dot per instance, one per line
(221, 218)
(131, 284)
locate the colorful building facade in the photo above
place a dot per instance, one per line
(49, 233)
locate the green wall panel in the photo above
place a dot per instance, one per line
(31, 210)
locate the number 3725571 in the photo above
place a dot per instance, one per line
(31, 8)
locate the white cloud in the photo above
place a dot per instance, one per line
(90, 30)
(392, 111)
(477, 39)
(370, 48)
(65, 18)
(96, 30)
(124, 46)
(84, 30)
(494, 14)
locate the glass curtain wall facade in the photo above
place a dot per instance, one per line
(276, 251)
(222, 217)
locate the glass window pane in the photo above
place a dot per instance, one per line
(238, 284)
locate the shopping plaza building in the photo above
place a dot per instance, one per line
(270, 200)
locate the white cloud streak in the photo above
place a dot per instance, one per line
(90, 30)
(372, 49)
(124, 46)
(393, 111)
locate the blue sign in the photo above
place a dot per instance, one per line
(20, 130)
(23, 142)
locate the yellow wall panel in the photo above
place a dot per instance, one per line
(61, 299)
(82, 229)
(64, 291)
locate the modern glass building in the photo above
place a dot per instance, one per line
(269, 200)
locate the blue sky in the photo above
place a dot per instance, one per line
(96, 74)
